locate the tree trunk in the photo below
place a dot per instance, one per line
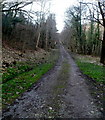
(37, 42)
(46, 44)
(102, 60)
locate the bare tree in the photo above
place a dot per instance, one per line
(98, 8)
(42, 14)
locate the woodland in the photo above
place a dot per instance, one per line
(84, 31)
(34, 51)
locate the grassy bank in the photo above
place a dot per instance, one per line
(91, 69)
(17, 79)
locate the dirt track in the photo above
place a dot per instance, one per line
(61, 93)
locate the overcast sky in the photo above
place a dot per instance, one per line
(59, 7)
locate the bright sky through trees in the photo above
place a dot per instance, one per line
(58, 7)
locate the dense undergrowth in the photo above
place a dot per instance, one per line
(18, 78)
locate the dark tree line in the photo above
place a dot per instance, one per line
(23, 31)
(84, 31)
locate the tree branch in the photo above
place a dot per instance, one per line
(17, 4)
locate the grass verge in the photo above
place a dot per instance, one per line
(94, 71)
(13, 88)
(97, 83)
(14, 71)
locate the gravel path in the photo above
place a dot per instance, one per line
(61, 93)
